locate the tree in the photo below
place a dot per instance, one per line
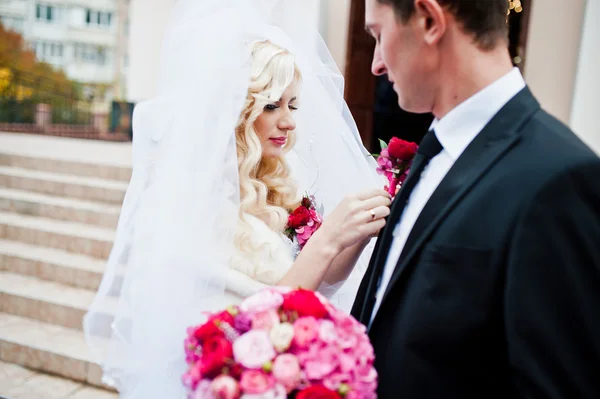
(26, 81)
(23, 74)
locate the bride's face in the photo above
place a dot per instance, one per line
(276, 122)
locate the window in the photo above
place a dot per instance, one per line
(46, 13)
(45, 50)
(90, 53)
(101, 56)
(98, 18)
(56, 49)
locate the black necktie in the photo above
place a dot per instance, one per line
(429, 148)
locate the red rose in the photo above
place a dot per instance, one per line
(235, 371)
(216, 353)
(318, 392)
(403, 150)
(211, 327)
(305, 303)
(300, 217)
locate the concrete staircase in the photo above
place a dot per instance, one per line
(57, 223)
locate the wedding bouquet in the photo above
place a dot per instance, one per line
(280, 343)
(394, 162)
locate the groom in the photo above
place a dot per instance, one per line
(485, 282)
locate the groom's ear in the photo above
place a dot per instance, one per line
(432, 20)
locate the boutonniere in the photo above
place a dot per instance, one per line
(395, 160)
(304, 221)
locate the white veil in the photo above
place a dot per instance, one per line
(175, 232)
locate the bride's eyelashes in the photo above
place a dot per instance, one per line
(272, 107)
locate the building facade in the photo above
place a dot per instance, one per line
(85, 38)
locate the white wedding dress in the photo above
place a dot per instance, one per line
(275, 255)
(174, 257)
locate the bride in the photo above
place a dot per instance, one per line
(247, 119)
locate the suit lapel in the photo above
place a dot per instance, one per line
(488, 147)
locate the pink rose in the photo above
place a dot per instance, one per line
(306, 330)
(253, 349)
(346, 340)
(303, 234)
(316, 217)
(364, 352)
(334, 380)
(384, 162)
(203, 390)
(346, 322)
(277, 392)
(306, 354)
(347, 362)
(261, 301)
(365, 374)
(192, 350)
(364, 381)
(265, 320)
(323, 365)
(192, 377)
(255, 381)
(225, 387)
(286, 370)
(327, 331)
(360, 394)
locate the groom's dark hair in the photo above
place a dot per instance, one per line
(485, 19)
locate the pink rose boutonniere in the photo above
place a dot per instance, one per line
(394, 162)
(304, 221)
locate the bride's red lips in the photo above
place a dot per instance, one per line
(279, 140)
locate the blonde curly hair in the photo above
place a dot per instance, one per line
(267, 190)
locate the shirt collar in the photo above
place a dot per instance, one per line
(461, 125)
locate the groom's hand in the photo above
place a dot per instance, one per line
(356, 218)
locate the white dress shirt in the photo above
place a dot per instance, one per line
(455, 131)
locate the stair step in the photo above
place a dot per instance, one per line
(51, 349)
(30, 203)
(49, 264)
(65, 155)
(85, 188)
(69, 236)
(46, 301)
(20, 383)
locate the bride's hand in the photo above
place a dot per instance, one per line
(356, 218)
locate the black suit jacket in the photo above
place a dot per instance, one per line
(498, 291)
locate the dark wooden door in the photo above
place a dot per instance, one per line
(360, 83)
(372, 100)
